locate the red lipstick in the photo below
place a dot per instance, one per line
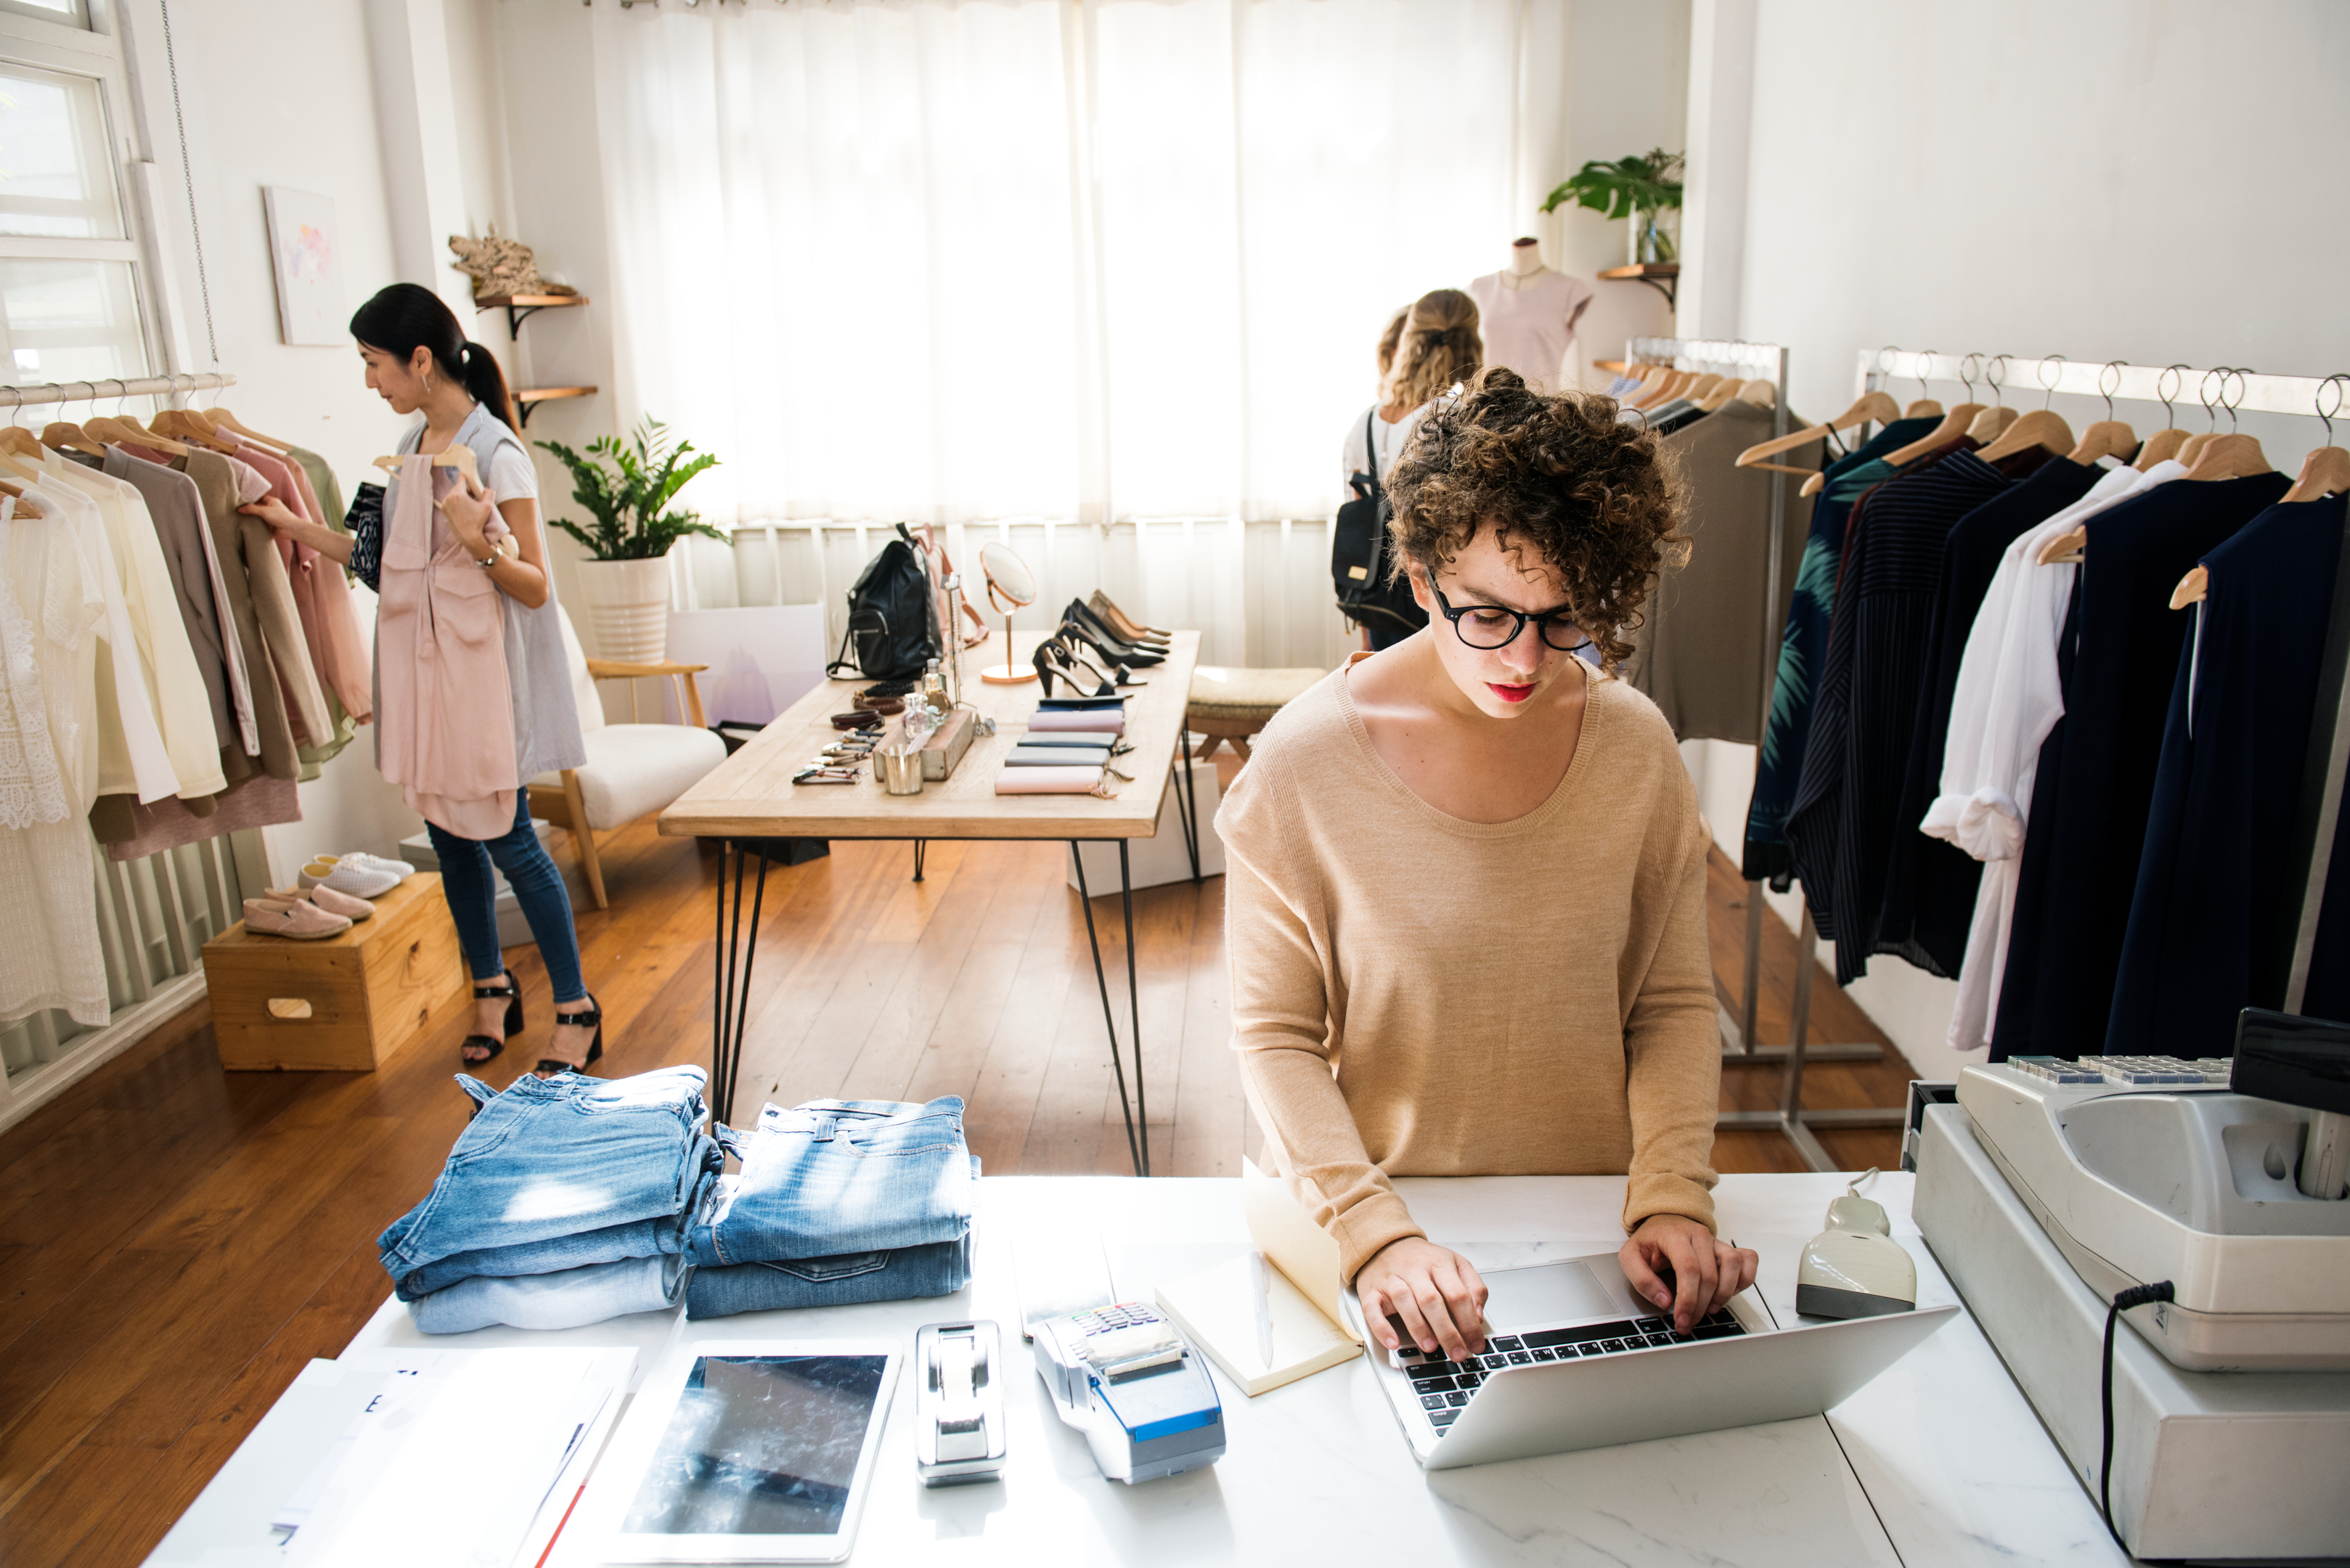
(1510, 693)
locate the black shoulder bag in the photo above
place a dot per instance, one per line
(891, 619)
(1360, 556)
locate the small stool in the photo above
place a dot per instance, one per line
(1233, 704)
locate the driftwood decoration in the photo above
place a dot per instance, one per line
(500, 268)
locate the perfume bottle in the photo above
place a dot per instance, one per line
(934, 694)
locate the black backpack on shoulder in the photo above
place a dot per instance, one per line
(891, 623)
(1361, 555)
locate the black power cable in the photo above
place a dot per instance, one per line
(2136, 1297)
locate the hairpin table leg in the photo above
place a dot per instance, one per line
(1136, 1147)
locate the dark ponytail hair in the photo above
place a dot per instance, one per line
(406, 316)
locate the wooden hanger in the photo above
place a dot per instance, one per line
(2229, 456)
(2070, 545)
(2038, 427)
(1954, 425)
(26, 504)
(119, 429)
(189, 427)
(2326, 472)
(1991, 423)
(227, 420)
(1762, 394)
(459, 458)
(2191, 587)
(1869, 406)
(2160, 447)
(20, 441)
(2106, 437)
(61, 435)
(1921, 409)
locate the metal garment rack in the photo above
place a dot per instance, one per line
(91, 392)
(1739, 1045)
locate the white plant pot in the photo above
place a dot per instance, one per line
(627, 606)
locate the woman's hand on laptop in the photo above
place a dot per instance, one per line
(1413, 1288)
(1675, 1262)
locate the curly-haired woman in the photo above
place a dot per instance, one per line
(1466, 898)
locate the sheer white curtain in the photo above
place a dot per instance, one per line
(1101, 261)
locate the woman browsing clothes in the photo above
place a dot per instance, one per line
(1426, 350)
(475, 696)
(1466, 894)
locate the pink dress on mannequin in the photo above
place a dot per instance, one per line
(445, 722)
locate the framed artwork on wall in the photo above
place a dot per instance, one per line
(305, 248)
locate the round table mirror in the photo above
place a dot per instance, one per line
(1011, 586)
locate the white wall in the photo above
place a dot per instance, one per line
(2106, 180)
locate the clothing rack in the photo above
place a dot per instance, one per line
(1739, 1045)
(91, 392)
(2218, 389)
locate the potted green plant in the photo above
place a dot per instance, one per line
(1640, 188)
(626, 490)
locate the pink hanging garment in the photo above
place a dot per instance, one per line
(321, 598)
(444, 733)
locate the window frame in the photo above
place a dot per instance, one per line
(96, 53)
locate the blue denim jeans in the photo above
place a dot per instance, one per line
(835, 1177)
(566, 1167)
(940, 1269)
(571, 1299)
(472, 892)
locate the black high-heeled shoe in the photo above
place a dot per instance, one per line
(490, 1045)
(1111, 645)
(1051, 662)
(1073, 651)
(548, 1066)
(1110, 650)
(1125, 624)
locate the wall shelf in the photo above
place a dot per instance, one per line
(521, 307)
(1659, 276)
(528, 399)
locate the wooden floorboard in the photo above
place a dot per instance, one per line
(176, 1242)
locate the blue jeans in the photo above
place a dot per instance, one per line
(466, 883)
(564, 1166)
(835, 1177)
(571, 1299)
(937, 1269)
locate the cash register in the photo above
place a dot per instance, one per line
(2207, 1198)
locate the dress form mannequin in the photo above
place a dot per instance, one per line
(1529, 316)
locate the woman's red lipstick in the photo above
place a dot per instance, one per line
(1510, 693)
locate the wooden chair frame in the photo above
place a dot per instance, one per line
(567, 808)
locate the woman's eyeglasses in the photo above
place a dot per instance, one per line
(1489, 627)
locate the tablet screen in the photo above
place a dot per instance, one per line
(760, 1444)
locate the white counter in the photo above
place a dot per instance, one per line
(1939, 1461)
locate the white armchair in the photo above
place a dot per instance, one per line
(632, 770)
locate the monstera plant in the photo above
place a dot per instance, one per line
(1638, 188)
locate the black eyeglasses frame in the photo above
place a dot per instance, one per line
(1549, 620)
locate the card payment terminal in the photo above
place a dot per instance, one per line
(1129, 1381)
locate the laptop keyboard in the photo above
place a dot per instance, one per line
(1444, 1387)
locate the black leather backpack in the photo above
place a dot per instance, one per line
(1361, 557)
(891, 617)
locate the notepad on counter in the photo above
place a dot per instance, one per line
(1218, 1309)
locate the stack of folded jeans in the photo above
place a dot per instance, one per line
(567, 1201)
(838, 1201)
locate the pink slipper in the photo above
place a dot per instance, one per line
(297, 918)
(328, 900)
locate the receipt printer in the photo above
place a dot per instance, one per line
(1125, 1377)
(958, 1403)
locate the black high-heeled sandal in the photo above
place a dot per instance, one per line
(1051, 662)
(1072, 648)
(1111, 645)
(550, 1066)
(495, 1048)
(1076, 636)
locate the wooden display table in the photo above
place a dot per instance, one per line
(750, 805)
(343, 1003)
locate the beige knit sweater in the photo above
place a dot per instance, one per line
(1418, 995)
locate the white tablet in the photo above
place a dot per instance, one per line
(756, 1450)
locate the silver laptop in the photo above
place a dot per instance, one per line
(1573, 1360)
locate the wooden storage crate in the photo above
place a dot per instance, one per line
(345, 1003)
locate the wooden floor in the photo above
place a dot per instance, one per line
(175, 1243)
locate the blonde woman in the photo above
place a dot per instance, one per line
(1427, 349)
